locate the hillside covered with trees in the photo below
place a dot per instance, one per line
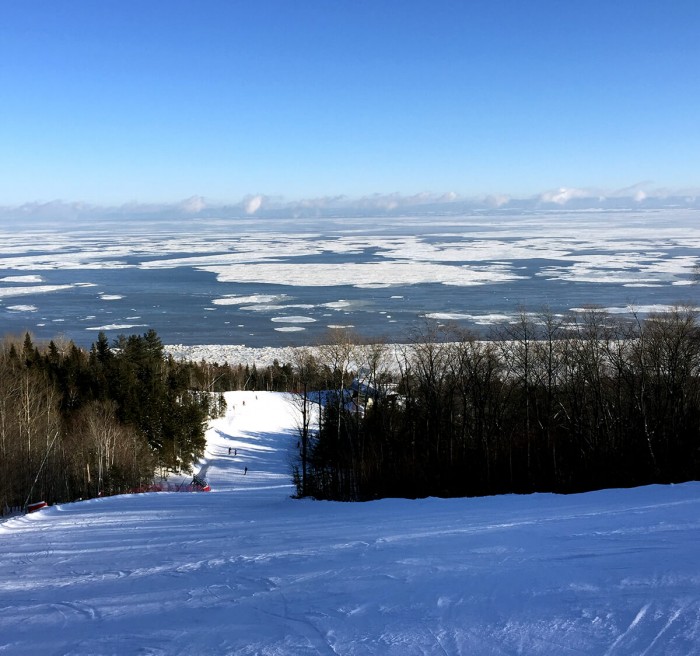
(77, 424)
(549, 403)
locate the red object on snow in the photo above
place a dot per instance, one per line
(33, 507)
(199, 484)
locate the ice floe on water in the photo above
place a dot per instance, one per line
(34, 289)
(263, 307)
(623, 268)
(22, 279)
(290, 329)
(237, 299)
(22, 308)
(479, 319)
(273, 307)
(478, 250)
(293, 319)
(359, 274)
(373, 285)
(117, 326)
(341, 266)
(657, 308)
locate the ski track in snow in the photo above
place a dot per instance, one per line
(246, 569)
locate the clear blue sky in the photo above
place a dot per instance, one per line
(138, 100)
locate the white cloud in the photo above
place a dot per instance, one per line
(641, 195)
(563, 195)
(193, 204)
(497, 200)
(252, 205)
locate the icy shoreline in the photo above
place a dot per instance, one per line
(235, 354)
(232, 354)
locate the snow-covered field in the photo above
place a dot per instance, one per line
(246, 569)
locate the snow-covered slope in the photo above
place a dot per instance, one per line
(245, 569)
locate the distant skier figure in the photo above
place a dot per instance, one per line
(229, 450)
(245, 471)
(235, 452)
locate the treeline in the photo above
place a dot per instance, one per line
(78, 424)
(549, 403)
(223, 377)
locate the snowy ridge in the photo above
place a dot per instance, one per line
(245, 569)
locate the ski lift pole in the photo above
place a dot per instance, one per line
(41, 467)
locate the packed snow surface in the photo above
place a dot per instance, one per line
(246, 569)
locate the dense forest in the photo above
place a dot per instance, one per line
(78, 423)
(548, 403)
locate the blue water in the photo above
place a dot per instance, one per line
(178, 301)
